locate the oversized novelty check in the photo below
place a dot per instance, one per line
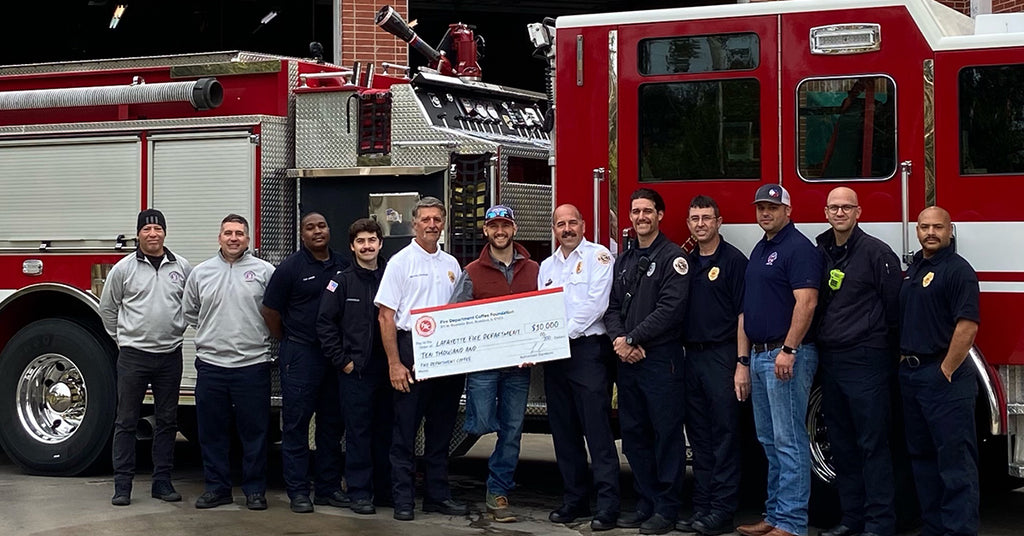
(489, 334)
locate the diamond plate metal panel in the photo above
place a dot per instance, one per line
(135, 125)
(532, 204)
(320, 137)
(277, 193)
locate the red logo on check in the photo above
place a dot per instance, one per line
(425, 326)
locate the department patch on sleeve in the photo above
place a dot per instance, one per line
(603, 257)
(451, 276)
(681, 266)
(332, 286)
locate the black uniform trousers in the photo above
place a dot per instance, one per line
(241, 394)
(651, 411)
(942, 444)
(367, 402)
(855, 389)
(712, 426)
(309, 385)
(136, 370)
(435, 401)
(579, 402)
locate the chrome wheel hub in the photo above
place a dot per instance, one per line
(51, 398)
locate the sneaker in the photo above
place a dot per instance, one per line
(498, 507)
(163, 490)
(211, 499)
(256, 501)
(337, 499)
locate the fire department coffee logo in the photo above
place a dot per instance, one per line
(650, 269)
(713, 274)
(451, 276)
(579, 267)
(176, 277)
(603, 257)
(771, 258)
(425, 326)
(927, 279)
(681, 266)
(249, 275)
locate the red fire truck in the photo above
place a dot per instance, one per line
(85, 145)
(906, 101)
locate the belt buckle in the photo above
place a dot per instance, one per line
(912, 361)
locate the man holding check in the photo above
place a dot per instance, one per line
(420, 275)
(496, 399)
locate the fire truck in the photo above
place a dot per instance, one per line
(85, 145)
(906, 101)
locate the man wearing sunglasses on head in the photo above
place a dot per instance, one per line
(645, 320)
(496, 399)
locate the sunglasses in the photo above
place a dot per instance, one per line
(499, 212)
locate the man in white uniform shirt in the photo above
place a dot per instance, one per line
(420, 275)
(578, 389)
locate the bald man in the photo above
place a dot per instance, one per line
(858, 321)
(938, 321)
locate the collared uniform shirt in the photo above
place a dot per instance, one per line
(415, 279)
(936, 293)
(295, 289)
(586, 279)
(716, 294)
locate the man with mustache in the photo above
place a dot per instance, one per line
(289, 309)
(496, 399)
(939, 318)
(420, 275)
(645, 316)
(350, 338)
(780, 294)
(578, 389)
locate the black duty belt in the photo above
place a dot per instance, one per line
(760, 347)
(916, 360)
(702, 346)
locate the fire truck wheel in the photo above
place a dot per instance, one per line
(57, 397)
(824, 503)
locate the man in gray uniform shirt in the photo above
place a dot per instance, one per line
(141, 310)
(222, 300)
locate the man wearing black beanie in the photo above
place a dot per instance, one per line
(141, 310)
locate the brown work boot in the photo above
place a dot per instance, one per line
(778, 532)
(761, 528)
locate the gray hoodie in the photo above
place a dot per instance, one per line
(222, 300)
(141, 306)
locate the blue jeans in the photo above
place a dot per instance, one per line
(496, 402)
(780, 410)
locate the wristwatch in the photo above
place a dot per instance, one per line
(788, 350)
(743, 360)
(629, 340)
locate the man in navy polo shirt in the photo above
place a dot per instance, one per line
(716, 379)
(939, 318)
(308, 382)
(782, 281)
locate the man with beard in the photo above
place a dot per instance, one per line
(232, 364)
(289, 309)
(858, 308)
(780, 294)
(141, 311)
(645, 319)
(578, 389)
(939, 319)
(420, 275)
(496, 399)
(350, 337)
(717, 371)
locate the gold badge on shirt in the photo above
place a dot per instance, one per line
(713, 273)
(603, 257)
(927, 279)
(579, 267)
(451, 276)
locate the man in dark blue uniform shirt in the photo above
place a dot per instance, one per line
(350, 336)
(939, 318)
(714, 382)
(644, 320)
(858, 312)
(778, 305)
(308, 384)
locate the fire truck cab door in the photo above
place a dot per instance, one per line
(843, 102)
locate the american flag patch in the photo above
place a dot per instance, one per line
(332, 286)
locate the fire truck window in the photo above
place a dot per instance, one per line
(847, 128)
(700, 130)
(699, 54)
(992, 120)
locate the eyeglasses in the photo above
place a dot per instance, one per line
(499, 212)
(834, 209)
(697, 219)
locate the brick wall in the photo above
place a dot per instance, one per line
(963, 6)
(1007, 6)
(363, 41)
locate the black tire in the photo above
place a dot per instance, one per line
(58, 396)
